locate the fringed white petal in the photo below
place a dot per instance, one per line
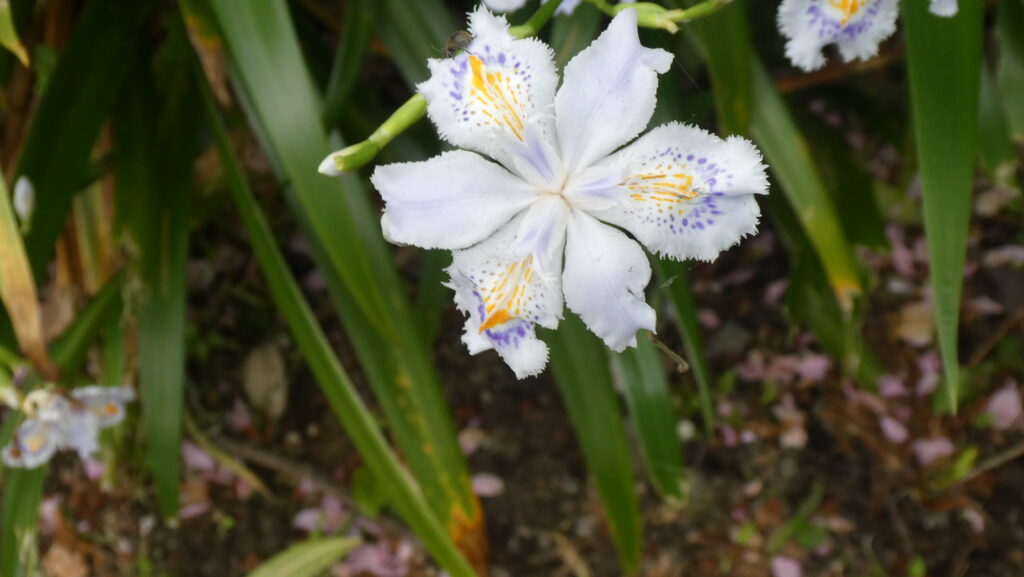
(681, 191)
(856, 27)
(491, 95)
(34, 444)
(608, 93)
(451, 201)
(605, 276)
(510, 283)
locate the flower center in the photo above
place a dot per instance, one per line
(848, 8)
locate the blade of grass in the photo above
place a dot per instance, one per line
(790, 159)
(274, 81)
(580, 368)
(76, 101)
(945, 125)
(23, 488)
(724, 39)
(650, 404)
(348, 62)
(994, 141)
(1010, 26)
(674, 278)
(161, 183)
(9, 34)
(809, 300)
(335, 383)
(413, 32)
(306, 559)
(272, 78)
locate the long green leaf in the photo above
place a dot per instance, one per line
(945, 126)
(414, 31)
(790, 159)
(995, 143)
(78, 98)
(23, 488)
(285, 109)
(348, 62)
(261, 40)
(724, 39)
(9, 34)
(307, 559)
(674, 275)
(159, 180)
(334, 382)
(650, 405)
(580, 367)
(1010, 21)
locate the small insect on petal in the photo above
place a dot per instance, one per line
(457, 42)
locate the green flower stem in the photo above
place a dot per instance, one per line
(652, 15)
(537, 21)
(649, 15)
(359, 154)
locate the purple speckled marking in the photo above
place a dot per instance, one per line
(831, 29)
(457, 79)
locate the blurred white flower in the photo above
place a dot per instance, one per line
(64, 422)
(559, 187)
(24, 200)
(855, 27)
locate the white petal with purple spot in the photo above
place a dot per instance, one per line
(681, 191)
(855, 27)
(511, 283)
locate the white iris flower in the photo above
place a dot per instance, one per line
(57, 422)
(545, 220)
(856, 27)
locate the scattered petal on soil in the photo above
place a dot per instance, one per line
(1008, 255)
(196, 459)
(785, 567)
(377, 560)
(488, 485)
(893, 430)
(891, 386)
(928, 451)
(1005, 407)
